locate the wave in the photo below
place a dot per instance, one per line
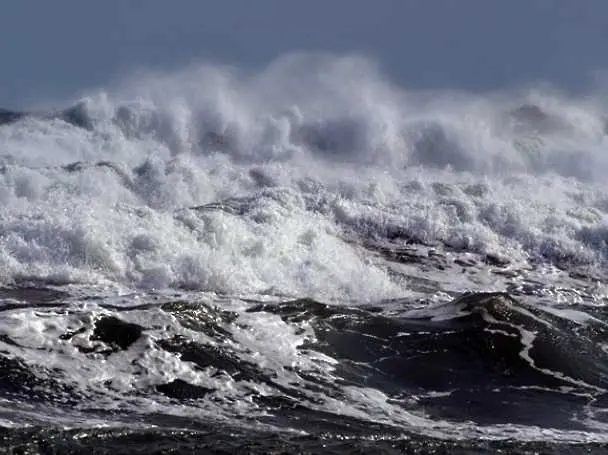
(307, 366)
(468, 353)
(75, 115)
(342, 108)
(218, 179)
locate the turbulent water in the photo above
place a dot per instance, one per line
(306, 259)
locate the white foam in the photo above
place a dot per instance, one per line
(316, 148)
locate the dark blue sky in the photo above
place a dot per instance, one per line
(54, 49)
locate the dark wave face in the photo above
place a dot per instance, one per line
(472, 366)
(487, 348)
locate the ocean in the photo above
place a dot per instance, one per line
(306, 258)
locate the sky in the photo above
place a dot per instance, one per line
(52, 50)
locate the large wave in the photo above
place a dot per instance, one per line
(221, 179)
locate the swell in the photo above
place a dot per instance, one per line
(465, 356)
(323, 369)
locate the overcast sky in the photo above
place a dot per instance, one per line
(54, 49)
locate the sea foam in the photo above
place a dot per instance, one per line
(219, 179)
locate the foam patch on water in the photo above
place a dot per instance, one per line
(124, 381)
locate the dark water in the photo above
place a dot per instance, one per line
(213, 440)
(485, 358)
